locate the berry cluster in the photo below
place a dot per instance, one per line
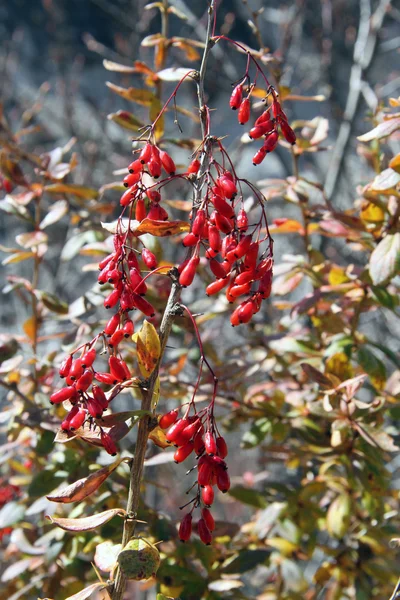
(198, 434)
(221, 227)
(87, 399)
(266, 126)
(151, 161)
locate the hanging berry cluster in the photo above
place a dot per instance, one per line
(198, 434)
(238, 249)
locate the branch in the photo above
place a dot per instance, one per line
(364, 51)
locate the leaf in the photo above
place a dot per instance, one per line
(386, 180)
(11, 513)
(395, 163)
(377, 438)
(316, 376)
(106, 555)
(338, 516)
(86, 523)
(30, 327)
(382, 130)
(372, 366)
(246, 560)
(384, 261)
(287, 226)
(285, 284)
(84, 487)
(56, 212)
(225, 585)
(18, 257)
(31, 239)
(140, 96)
(157, 435)
(52, 302)
(248, 496)
(79, 191)
(148, 348)
(174, 74)
(162, 228)
(88, 591)
(16, 569)
(117, 67)
(257, 433)
(185, 45)
(125, 119)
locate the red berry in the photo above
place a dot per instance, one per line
(167, 163)
(185, 528)
(112, 325)
(214, 238)
(84, 381)
(136, 166)
(108, 443)
(106, 378)
(62, 395)
(131, 179)
(209, 442)
(127, 197)
(65, 366)
(199, 222)
(94, 408)
(116, 338)
(244, 111)
(149, 259)
(204, 532)
(137, 283)
(194, 166)
(217, 269)
(208, 518)
(140, 210)
(183, 452)
(88, 358)
(117, 369)
(145, 307)
(207, 494)
(227, 185)
(100, 396)
(112, 299)
(190, 240)
(259, 130)
(66, 424)
(222, 206)
(78, 419)
(236, 97)
(216, 286)
(287, 132)
(146, 153)
(188, 273)
(76, 369)
(128, 328)
(242, 221)
(222, 448)
(157, 213)
(271, 141)
(223, 480)
(222, 223)
(259, 156)
(176, 429)
(168, 419)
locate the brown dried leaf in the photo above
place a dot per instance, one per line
(140, 96)
(84, 487)
(162, 228)
(87, 523)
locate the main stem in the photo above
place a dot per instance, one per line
(171, 310)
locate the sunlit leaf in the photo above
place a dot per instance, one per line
(55, 213)
(84, 487)
(86, 523)
(70, 188)
(125, 119)
(88, 591)
(148, 348)
(106, 554)
(138, 95)
(31, 239)
(380, 131)
(384, 262)
(386, 180)
(30, 328)
(174, 73)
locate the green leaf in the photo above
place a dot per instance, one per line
(257, 433)
(248, 496)
(372, 366)
(52, 302)
(384, 297)
(338, 516)
(245, 560)
(384, 262)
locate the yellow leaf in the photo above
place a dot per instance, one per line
(76, 190)
(288, 226)
(162, 228)
(372, 213)
(17, 257)
(148, 348)
(140, 96)
(157, 435)
(337, 276)
(30, 327)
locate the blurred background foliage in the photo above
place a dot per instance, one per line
(309, 392)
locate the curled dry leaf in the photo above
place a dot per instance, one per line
(148, 348)
(86, 486)
(88, 591)
(86, 523)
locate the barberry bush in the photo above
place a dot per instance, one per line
(185, 343)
